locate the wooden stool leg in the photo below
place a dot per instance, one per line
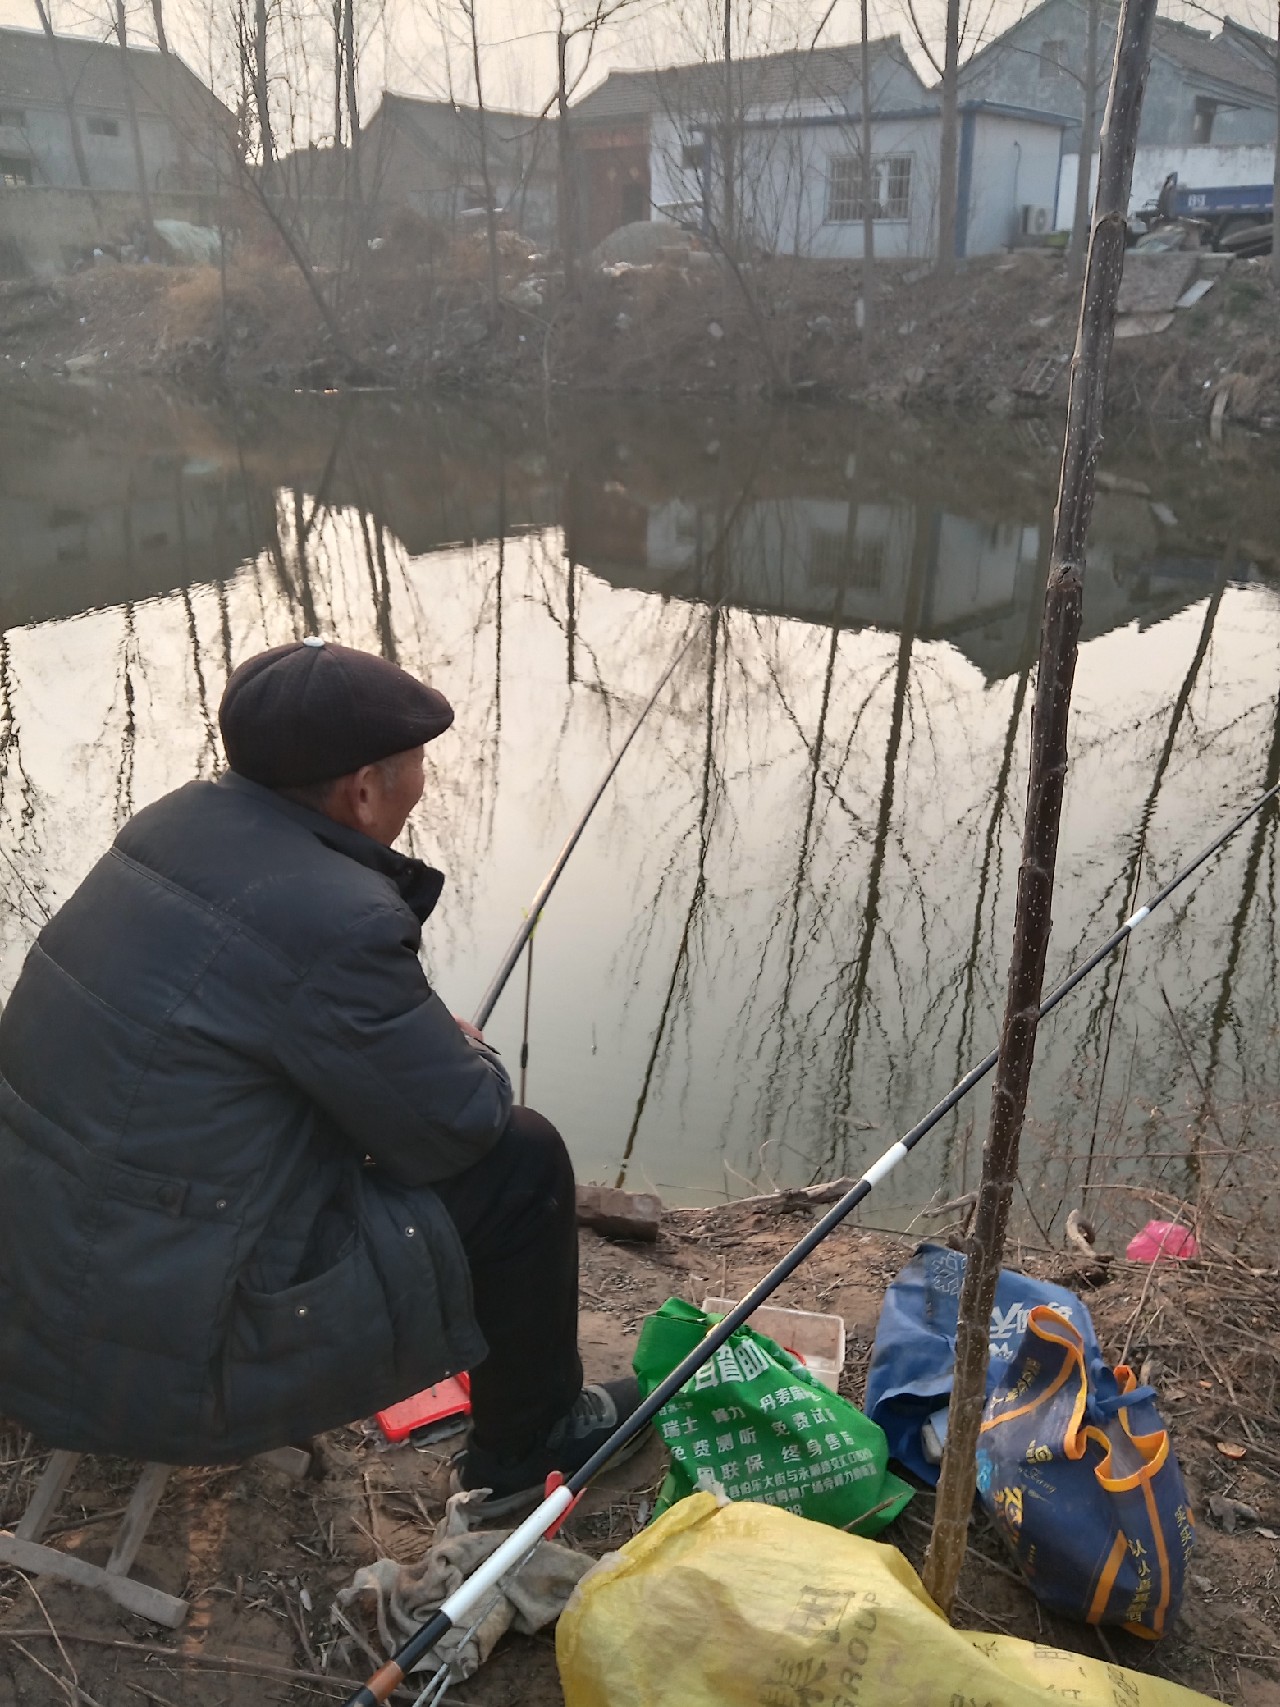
(49, 1490)
(138, 1514)
(24, 1549)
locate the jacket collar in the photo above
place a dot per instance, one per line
(418, 884)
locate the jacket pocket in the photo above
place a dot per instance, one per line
(155, 1274)
(317, 1354)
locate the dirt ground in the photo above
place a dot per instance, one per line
(260, 1557)
(996, 337)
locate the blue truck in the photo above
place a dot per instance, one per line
(1235, 217)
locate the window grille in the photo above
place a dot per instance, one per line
(891, 188)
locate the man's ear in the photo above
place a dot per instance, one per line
(364, 796)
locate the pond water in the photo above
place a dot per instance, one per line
(784, 933)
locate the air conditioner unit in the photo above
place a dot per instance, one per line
(1036, 221)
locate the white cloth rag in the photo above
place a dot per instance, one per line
(407, 1595)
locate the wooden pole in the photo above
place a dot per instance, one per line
(868, 191)
(1084, 154)
(949, 143)
(1058, 643)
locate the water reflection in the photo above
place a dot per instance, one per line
(785, 933)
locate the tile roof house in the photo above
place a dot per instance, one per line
(426, 155)
(186, 132)
(1201, 88)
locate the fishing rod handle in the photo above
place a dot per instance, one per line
(457, 1606)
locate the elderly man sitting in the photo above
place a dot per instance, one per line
(255, 1181)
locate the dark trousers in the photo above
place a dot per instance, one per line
(516, 1216)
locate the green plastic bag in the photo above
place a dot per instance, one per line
(755, 1424)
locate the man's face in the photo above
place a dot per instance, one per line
(394, 787)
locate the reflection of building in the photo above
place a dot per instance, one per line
(86, 524)
(823, 560)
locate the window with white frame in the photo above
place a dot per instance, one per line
(890, 188)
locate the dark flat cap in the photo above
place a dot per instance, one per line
(311, 711)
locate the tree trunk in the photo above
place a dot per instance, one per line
(77, 141)
(1058, 643)
(1275, 193)
(176, 125)
(490, 209)
(727, 140)
(566, 180)
(337, 73)
(1084, 170)
(868, 191)
(353, 99)
(262, 83)
(949, 142)
(131, 108)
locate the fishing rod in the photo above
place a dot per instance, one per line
(498, 983)
(560, 1499)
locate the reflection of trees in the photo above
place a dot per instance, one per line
(678, 983)
(808, 843)
(974, 961)
(1132, 873)
(853, 979)
(1225, 1009)
(26, 894)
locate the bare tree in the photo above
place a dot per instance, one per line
(1084, 167)
(949, 142)
(131, 108)
(1033, 915)
(958, 28)
(353, 102)
(64, 92)
(262, 83)
(176, 124)
(587, 31)
(868, 188)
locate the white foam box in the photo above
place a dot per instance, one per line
(817, 1339)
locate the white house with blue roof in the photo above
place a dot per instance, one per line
(793, 122)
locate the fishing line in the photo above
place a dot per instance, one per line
(489, 1000)
(558, 1502)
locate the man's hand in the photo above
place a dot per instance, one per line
(467, 1029)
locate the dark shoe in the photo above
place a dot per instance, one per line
(513, 1485)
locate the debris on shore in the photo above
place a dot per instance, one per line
(263, 1558)
(1198, 332)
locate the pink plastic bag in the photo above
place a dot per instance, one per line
(1162, 1239)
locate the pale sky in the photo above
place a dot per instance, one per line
(403, 40)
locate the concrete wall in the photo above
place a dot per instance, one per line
(1199, 168)
(786, 174)
(1014, 164)
(783, 172)
(52, 228)
(111, 158)
(784, 181)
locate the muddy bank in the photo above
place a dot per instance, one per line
(996, 337)
(261, 1557)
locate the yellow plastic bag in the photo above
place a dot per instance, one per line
(744, 1605)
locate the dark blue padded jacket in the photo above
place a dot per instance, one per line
(226, 1086)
